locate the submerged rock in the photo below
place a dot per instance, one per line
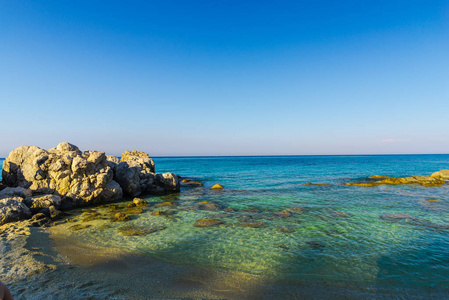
(120, 217)
(209, 206)
(163, 213)
(217, 187)
(139, 202)
(190, 182)
(398, 216)
(317, 184)
(442, 174)
(282, 214)
(433, 180)
(252, 224)
(207, 223)
(139, 230)
(286, 229)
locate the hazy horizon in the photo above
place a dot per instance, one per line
(198, 78)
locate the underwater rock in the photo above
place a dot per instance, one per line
(120, 217)
(164, 204)
(341, 214)
(207, 222)
(163, 213)
(133, 211)
(365, 184)
(282, 214)
(296, 210)
(94, 217)
(422, 180)
(316, 245)
(190, 182)
(286, 230)
(139, 202)
(209, 206)
(139, 230)
(230, 209)
(252, 224)
(317, 184)
(217, 187)
(432, 199)
(398, 216)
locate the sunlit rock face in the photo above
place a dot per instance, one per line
(84, 177)
(135, 174)
(65, 171)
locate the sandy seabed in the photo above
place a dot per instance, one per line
(42, 263)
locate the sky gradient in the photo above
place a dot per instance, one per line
(226, 77)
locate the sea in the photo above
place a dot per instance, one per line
(392, 238)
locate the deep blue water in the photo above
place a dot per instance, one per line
(338, 236)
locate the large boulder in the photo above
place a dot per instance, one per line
(9, 192)
(65, 171)
(135, 174)
(12, 209)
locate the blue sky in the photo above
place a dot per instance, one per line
(226, 77)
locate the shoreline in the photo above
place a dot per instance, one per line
(43, 263)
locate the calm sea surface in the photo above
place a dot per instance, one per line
(335, 234)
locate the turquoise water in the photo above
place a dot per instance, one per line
(334, 236)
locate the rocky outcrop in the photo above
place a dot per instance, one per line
(65, 171)
(42, 181)
(135, 174)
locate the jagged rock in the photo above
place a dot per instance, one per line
(65, 171)
(135, 174)
(443, 174)
(140, 157)
(36, 203)
(112, 161)
(12, 209)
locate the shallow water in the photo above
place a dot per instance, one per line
(335, 234)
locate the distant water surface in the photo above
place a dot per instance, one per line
(335, 234)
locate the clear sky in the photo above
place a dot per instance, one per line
(226, 77)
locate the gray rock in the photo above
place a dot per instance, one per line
(15, 192)
(13, 209)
